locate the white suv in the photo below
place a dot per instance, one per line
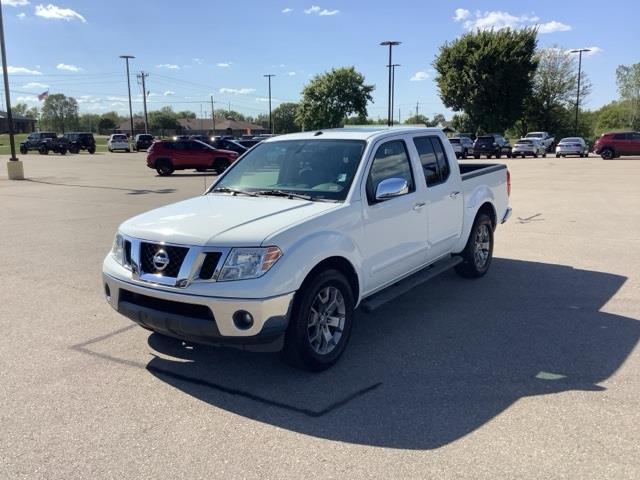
(118, 141)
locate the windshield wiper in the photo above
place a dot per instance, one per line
(282, 193)
(234, 191)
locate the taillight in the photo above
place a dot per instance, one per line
(508, 183)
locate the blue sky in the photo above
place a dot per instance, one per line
(192, 49)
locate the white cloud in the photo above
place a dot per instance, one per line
(169, 93)
(461, 14)
(68, 68)
(88, 99)
(170, 66)
(31, 85)
(117, 99)
(498, 20)
(22, 15)
(323, 12)
(420, 76)
(53, 12)
(291, 74)
(266, 100)
(224, 64)
(198, 61)
(593, 51)
(237, 91)
(27, 98)
(287, 10)
(15, 3)
(22, 70)
(553, 26)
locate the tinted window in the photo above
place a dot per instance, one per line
(620, 136)
(635, 136)
(454, 140)
(433, 159)
(391, 161)
(484, 140)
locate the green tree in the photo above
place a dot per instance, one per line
(186, 114)
(628, 81)
(164, 119)
(284, 118)
(417, 120)
(232, 114)
(488, 75)
(89, 122)
(613, 116)
(19, 109)
(463, 124)
(60, 112)
(332, 96)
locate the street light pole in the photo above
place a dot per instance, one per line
(269, 75)
(127, 57)
(144, 100)
(579, 52)
(14, 166)
(393, 90)
(391, 44)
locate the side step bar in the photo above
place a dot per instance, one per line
(392, 292)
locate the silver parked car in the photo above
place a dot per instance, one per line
(572, 146)
(462, 146)
(528, 146)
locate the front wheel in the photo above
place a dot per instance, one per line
(476, 156)
(43, 150)
(164, 167)
(23, 151)
(478, 252)
(320, 323)
(607, 154)
(220, 165)
(92, 150)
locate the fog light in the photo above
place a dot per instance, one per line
(107, 292)
(243, 319)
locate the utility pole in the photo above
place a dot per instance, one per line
(142, 76)
(14, 166)
(269, 75)
(391, 44)
(579, 52)
(393, 88)
(399, 115)
(126, 58)
(417, 108)
(200, 117)
(213, 117)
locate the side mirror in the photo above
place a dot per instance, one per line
(390, 188)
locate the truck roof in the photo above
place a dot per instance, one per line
(359, 133)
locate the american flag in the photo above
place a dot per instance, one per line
(43, 95)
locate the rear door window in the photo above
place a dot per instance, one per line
(433, 158)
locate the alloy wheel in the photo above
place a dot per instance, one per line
(326, 320)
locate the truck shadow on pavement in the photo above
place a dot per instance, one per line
(433, 366)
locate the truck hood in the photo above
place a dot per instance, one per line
(222, 220)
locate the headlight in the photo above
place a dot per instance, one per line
(245, 263)
(118, 249)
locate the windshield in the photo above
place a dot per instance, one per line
(484, 140)
(119, 138)
(321, 169)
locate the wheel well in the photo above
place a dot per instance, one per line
(488, 209)
(343, 266)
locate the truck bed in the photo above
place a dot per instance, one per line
(471, 170)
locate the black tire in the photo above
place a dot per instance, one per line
(480, 241)
(607, 154)
(164, 167)
(43, 151)
(488, 156)
(23, 151)
(74, 150)
(544, 155)
(62, 151)
(128, 150)
(201, 169)
(220, 165)
(465, 153)
(498, 155)
(535, 155)
(92, 150)
(476, 156)
(300, 349)
(557, 155)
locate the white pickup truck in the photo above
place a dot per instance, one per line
(299, 232)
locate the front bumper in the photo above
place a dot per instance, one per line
(570, 151)
(202, 319)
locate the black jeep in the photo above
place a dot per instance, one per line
(80, 141)
(44, 142)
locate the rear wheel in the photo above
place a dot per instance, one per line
(557, 155)
(478, 252)
(476, 156)
(320, 323)
(535, 154)
(23, 150)
(607, 154)
(164, 167)
(63, 151)
(220, 165)
(544, 154)
(92, 150)
(74, 149)
(43, 150)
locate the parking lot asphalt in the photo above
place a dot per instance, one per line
(529, 372)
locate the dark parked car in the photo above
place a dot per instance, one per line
(166, 157)
(44, 142)
(80, 141)
(229, 144)
(462, 146)
(248, 142)
(142, 141)
(494, 145)
(202, 138)
(614, 145)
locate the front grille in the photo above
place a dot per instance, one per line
(168, 306)
(175, 254)
(209, 265)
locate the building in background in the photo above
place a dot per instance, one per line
(20, 124)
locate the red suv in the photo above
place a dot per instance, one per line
(166, 157)
(613, 145)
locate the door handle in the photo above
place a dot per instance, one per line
(419, 205)
(454, 194)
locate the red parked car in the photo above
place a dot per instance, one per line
(613, 145)
(166, 157)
